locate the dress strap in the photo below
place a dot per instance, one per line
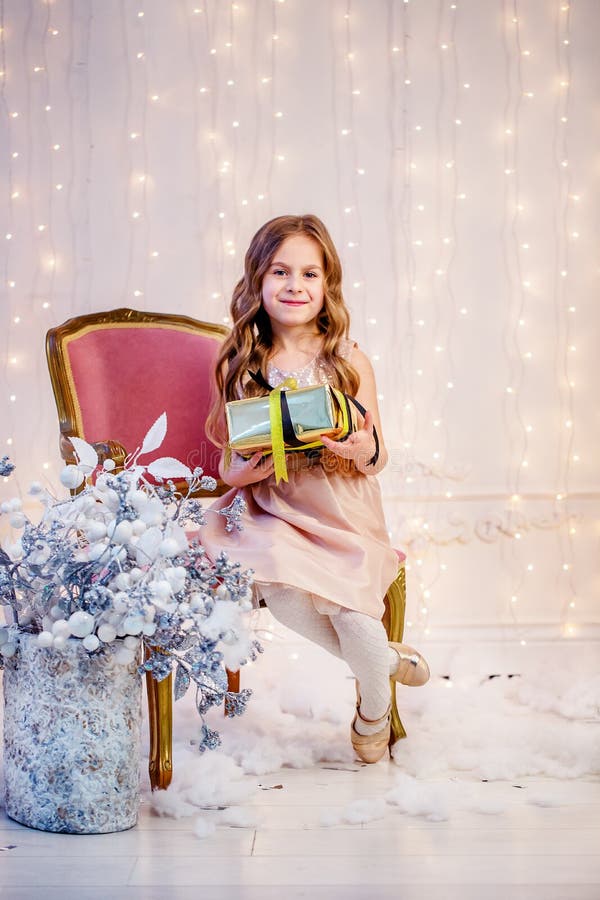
(260, 379)
(345, 348)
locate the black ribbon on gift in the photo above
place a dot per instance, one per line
(288, 426)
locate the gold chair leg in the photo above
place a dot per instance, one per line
(233, 685)
(393, 620)
(160, 719)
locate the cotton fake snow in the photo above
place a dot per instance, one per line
(203, 828)
(169, 803)
(238, 817)
(358, 812)
(417, 798)
(201, 781)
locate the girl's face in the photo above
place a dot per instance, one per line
(293, 286)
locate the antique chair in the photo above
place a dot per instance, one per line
(101, 362)
(113, 373)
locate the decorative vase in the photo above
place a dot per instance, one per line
(71, 738)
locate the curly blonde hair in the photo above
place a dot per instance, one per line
(250, 342)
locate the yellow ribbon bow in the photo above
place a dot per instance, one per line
(277, 442)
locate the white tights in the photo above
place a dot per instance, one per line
(353, 636)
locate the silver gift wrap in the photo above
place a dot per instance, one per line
(314, 411)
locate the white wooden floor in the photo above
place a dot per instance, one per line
(524, 852)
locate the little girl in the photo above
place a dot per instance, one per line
(317, 542)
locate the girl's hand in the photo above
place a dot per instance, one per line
(359, 446)
(248, 471)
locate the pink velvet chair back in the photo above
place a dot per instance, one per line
(118, 371)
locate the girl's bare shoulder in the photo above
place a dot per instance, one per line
(361, 362)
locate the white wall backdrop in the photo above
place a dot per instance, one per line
(452, 150)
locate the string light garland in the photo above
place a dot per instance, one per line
(565, 321)
(276, 152)
(8, 282)
(354, 265)
(443, 312)
(210, 60)
(404, 319)
(138, 95)
(130, 134)
(516, 297)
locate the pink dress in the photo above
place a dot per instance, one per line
(322, 531)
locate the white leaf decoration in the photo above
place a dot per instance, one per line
(86, 454)
(136, 471)
(169, 467)
(155, 436)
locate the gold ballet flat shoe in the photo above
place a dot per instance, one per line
(370, 747)
(412, 667)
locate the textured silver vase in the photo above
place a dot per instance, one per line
(71, 739)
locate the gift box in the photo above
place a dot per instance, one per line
(299, 416)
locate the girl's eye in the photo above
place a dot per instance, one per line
(312, 274)
(279, 272)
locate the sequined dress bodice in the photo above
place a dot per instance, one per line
(314, 372)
